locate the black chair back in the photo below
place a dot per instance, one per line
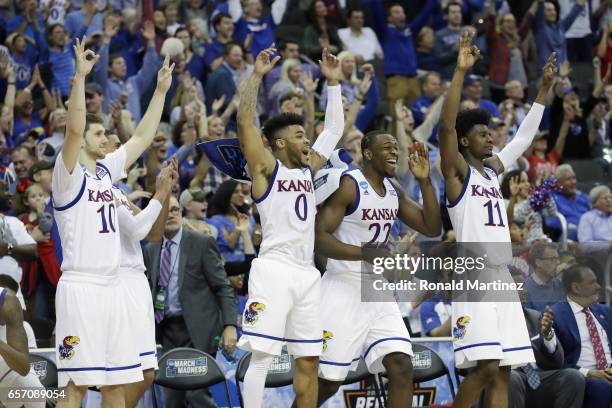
(186, 369)
(43, 330)
(280, 373)
(45, 370)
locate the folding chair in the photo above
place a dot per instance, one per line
(361, 373)
(280, 373)
(188, 369)
(45, 370)
(43, 330)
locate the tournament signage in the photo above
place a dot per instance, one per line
(280, 364)
(187, 367)
(40, 368)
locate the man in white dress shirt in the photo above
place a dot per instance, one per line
(359, 40)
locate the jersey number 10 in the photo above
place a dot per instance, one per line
(109, 225)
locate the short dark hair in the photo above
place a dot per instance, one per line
(352, 10)
(92, 119)
(370, 137)
(113, 57)
(282, 44)
(7, 281)
(217, 19)
(50, 29)
(277, 123)
(287, 96)
(182, 28)
(537, 251)
(572, 275)
(448, 6)
(467, 119)
(228, 48)
(391, 5)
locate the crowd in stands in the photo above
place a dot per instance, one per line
(396, 58)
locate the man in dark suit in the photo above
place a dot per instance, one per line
(192, 297)
(545, 383)
(584, 329)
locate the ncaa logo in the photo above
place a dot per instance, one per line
(363, 184)
(186, 367)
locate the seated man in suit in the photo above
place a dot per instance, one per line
(192, 297)
(545, 383)
(584, 329)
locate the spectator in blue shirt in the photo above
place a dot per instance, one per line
(436, 316)
(543, 287)
(549, 30)
(472, 91)
(27, 23)
(224, 30)
(570, 202)
(110, 72)
(223, 80)
(58, 55)
(596, 225)
(431, 89)
(86, 21)
(23, 61)
(193, 62)
(252, 22)
(397, 40)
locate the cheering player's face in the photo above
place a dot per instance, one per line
(95, 141)
(480, 142)
(383, 153)
(297, 145)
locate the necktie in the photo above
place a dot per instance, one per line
(600, 356)
(533, 378)
(165, 270)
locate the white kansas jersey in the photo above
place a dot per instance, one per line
(479, 213)
(287, 211)
(134, 228)
(369, 220)
(86, 215)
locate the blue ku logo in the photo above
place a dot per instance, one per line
(251, 314)
(327, 336)
(460, 327)
(66, 349)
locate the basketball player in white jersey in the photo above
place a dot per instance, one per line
(15, 371)
(363, 209)
(91, 348)
(489, 336)
(284, 286)
(137, 225)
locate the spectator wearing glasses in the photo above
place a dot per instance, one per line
(543, 287)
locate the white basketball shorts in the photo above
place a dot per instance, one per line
(283, 307)
(139, 310)
(490, 331)
(354, 329)
(93, 345)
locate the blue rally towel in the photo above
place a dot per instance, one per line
(225, 155)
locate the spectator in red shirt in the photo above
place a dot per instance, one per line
(544, 163)
(604, 50)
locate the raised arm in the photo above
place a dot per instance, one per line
(147, 128)
(425, 220)
(529, 126)
(334, 114)
(329, 217)
(453, 163)
(259, 159)
(75, 123)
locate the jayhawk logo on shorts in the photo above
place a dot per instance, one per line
(66, 349)
(461, 327)
(251, 314)
(327, 336)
